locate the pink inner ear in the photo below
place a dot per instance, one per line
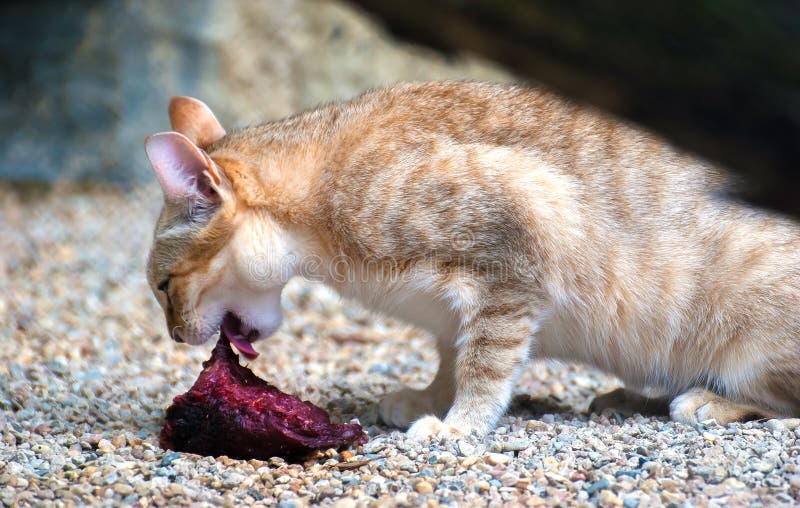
(179, 166)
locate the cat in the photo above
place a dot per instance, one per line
(507, 221)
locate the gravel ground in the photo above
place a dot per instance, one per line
(86, 372)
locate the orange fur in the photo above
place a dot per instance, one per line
(509, 222)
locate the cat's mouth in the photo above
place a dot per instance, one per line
(239, 335)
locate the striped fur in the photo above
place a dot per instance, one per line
(510, 223)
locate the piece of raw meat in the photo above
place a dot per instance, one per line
(231, 411)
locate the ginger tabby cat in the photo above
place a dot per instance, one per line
(508, 222)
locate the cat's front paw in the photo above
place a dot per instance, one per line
(401, 408)
(430, 427)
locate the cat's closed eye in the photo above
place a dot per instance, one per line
(164, 285)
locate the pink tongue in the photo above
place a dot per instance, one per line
(244, 346)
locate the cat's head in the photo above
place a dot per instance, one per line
(208, 263)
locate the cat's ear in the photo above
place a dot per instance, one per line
(194, 119)
(183, 170)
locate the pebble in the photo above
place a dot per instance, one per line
(598, 486)
(497, 458)
(535, 426)
(515, 444)
(123, 489)
(470, 461)
(466, 448)
(374, 446)
(424, 487)
(792, 423)
(775, 425)
(608, 498)
(169, 458)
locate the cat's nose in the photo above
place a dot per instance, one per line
(176, 336)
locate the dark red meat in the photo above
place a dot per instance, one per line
(231, 411)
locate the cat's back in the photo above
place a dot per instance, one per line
(627, 180)
(596, 149)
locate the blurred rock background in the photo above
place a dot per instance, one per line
(721, 79)
(83, 82)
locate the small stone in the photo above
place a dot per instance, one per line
(8, 497)
(556, 478)
(763, 466)
(497, 459)
(703, 472)
(509, 479)
(792, 423)
(535, 426)
(41, 449)
(424, 487)
(465, 447)
(174, 489)
(105, 446)
(345, 502)
(446, 458)
(654, 468)
(774, 481)
(119, 440)
(515, 444)
(470, 461)
(123, 489)
(92, 439)
(670, 484)
(608, 498)
(630, 502)
(482, 486)
(523, 483)
(598, 486)
(672, 497)
(733, 483)
(233, 480)
(374, 446)
(718, 475)
(775, 425)
(169, 458)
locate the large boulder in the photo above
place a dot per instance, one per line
(85, 81)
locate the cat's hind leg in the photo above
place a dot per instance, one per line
(699, 405)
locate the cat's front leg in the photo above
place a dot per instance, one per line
(491, 351)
